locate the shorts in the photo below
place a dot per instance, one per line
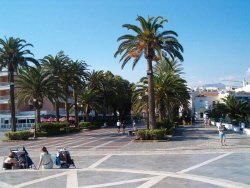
(118, 127)
(222, 135)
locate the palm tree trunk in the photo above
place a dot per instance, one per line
(151, 97)
(87, 113)
(12, 102)
(57, 110)
(66, 103)
(76, 109)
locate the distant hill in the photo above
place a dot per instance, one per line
(217, 85)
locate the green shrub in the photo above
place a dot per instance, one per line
(41, 134)
(156, 134)
(165, 124)
(19, 135)
(90, 125)
(53, 128)
(170, 131)
(84, 125)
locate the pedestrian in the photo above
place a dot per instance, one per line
(222, 134)
(205, 121)
(123, 126)
(10, 162)
(45, 159)
(134, 125)
(209, 122)
(118, 124)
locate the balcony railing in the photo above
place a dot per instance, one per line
(4, 83)
(5, 97)
(4, 111)
(19, 126)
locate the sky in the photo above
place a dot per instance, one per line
(215, 34)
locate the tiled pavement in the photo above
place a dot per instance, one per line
(193, 158)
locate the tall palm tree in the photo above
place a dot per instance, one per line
(55, 65)
(13, 54)
(78, 70)
(34, 85)
(154, 45)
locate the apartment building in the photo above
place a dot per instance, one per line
(25, 114)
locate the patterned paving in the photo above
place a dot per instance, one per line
(105, 158)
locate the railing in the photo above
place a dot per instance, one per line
(4, 111)
(4, 83)
(5, 97)
(19, 126)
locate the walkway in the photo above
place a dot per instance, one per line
(194, 158)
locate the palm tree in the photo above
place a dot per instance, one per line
(13, 54)
(78, 70)
(236, 109)
(89, 99)
(171, 90)
(34, 85)
(55, 65)
(154, 45)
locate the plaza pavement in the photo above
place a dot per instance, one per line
(104, 158)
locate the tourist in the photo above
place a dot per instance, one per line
(10, 162)
(123, 127)
(209, 122)
(222, 134)
(45, 159)
(205, 121)
(118, 124)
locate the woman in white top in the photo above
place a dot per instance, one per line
(45, 159)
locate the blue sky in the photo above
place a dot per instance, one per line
(215, 34)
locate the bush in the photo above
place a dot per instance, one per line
(170, 131)
(165, 124)
(156, 134)
(53, 128)
(90, 125)
(19, 135)
(84, 125)
(41, 134)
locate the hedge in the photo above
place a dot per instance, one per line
(90, 125)
(156, 134)
(53, 128)
(19, 135)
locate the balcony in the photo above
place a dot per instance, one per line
(4, 112)
(4, 86)
(4, 99)
(3, 73)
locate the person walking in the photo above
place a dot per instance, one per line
(209, 122)
(45, 159)
(118, 125)
(123, 126)
(222, 134)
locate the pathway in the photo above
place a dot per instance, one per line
(194, 158)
